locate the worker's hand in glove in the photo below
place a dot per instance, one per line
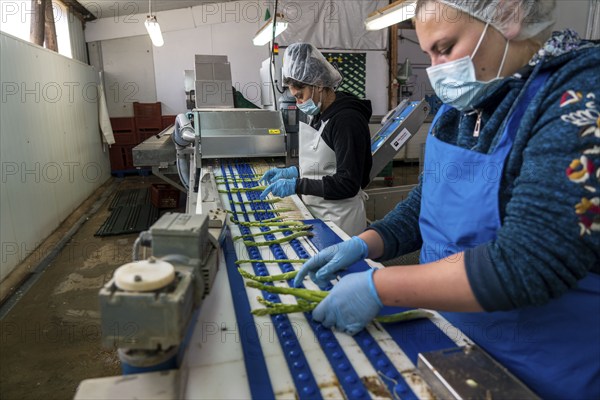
(280, 188)
(351, 305)
(325, 265)
(275, 174)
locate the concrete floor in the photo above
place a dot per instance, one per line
(50, 339)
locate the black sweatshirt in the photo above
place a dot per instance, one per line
(347, 134)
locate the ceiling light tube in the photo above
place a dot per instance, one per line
(396, 12)
(153, 29)
(265, 33)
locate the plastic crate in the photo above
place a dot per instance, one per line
(147, 109)
(164, 196)
(124, 130)
(121, 157)
(168, 120)
(147, 126)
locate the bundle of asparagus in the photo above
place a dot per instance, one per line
(308, 300)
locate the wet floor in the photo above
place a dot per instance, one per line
(50, 339)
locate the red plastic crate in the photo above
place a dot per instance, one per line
(164, 196)
(147, 109)
(121, 157)
(147, 126)
(168, 120)
(124, 130)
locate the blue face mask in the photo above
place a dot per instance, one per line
(309, 107)
(455, 82)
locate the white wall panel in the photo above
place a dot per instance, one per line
(128, 74)
(172, 59)
(176, 20)
(51, 152)
(119, 26)
(572, 14)
(234, 39)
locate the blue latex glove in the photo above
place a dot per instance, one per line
(280, 188)
(275, 174)
(351, 305)
(325, 265)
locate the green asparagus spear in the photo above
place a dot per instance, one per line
(306, 294)
(270, 278)
(234, 180)
(291, 228)
(298, 261)
(269, 201)
(404, 316)
(269, 223)
(275, 210)
(282, 240)
(242, 190)
(264, 222)
(278, 308)
(237, 176)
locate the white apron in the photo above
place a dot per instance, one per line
(316, 161)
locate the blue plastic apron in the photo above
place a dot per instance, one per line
(555, 348)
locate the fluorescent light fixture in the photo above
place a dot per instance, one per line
(265, 33)
(396, 12)
(153, 29)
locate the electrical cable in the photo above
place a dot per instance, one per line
(272, 56)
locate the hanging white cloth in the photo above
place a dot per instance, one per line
(103, 118)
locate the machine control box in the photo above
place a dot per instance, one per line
(147, 320)
(181, 234)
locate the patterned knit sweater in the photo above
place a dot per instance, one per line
(550, 190)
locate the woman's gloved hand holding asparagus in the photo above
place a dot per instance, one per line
(353, 302)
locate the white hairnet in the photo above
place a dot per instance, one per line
(304, 63)
(515, 19)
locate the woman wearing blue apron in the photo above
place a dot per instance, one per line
(507, 213)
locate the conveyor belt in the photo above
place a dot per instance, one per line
(345, 370)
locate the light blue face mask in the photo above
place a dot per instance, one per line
(455, 82)
(309, 107)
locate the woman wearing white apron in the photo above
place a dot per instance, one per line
(335, 157)
(507, 212)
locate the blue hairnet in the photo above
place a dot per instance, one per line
(304, 63)
(515, 19)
